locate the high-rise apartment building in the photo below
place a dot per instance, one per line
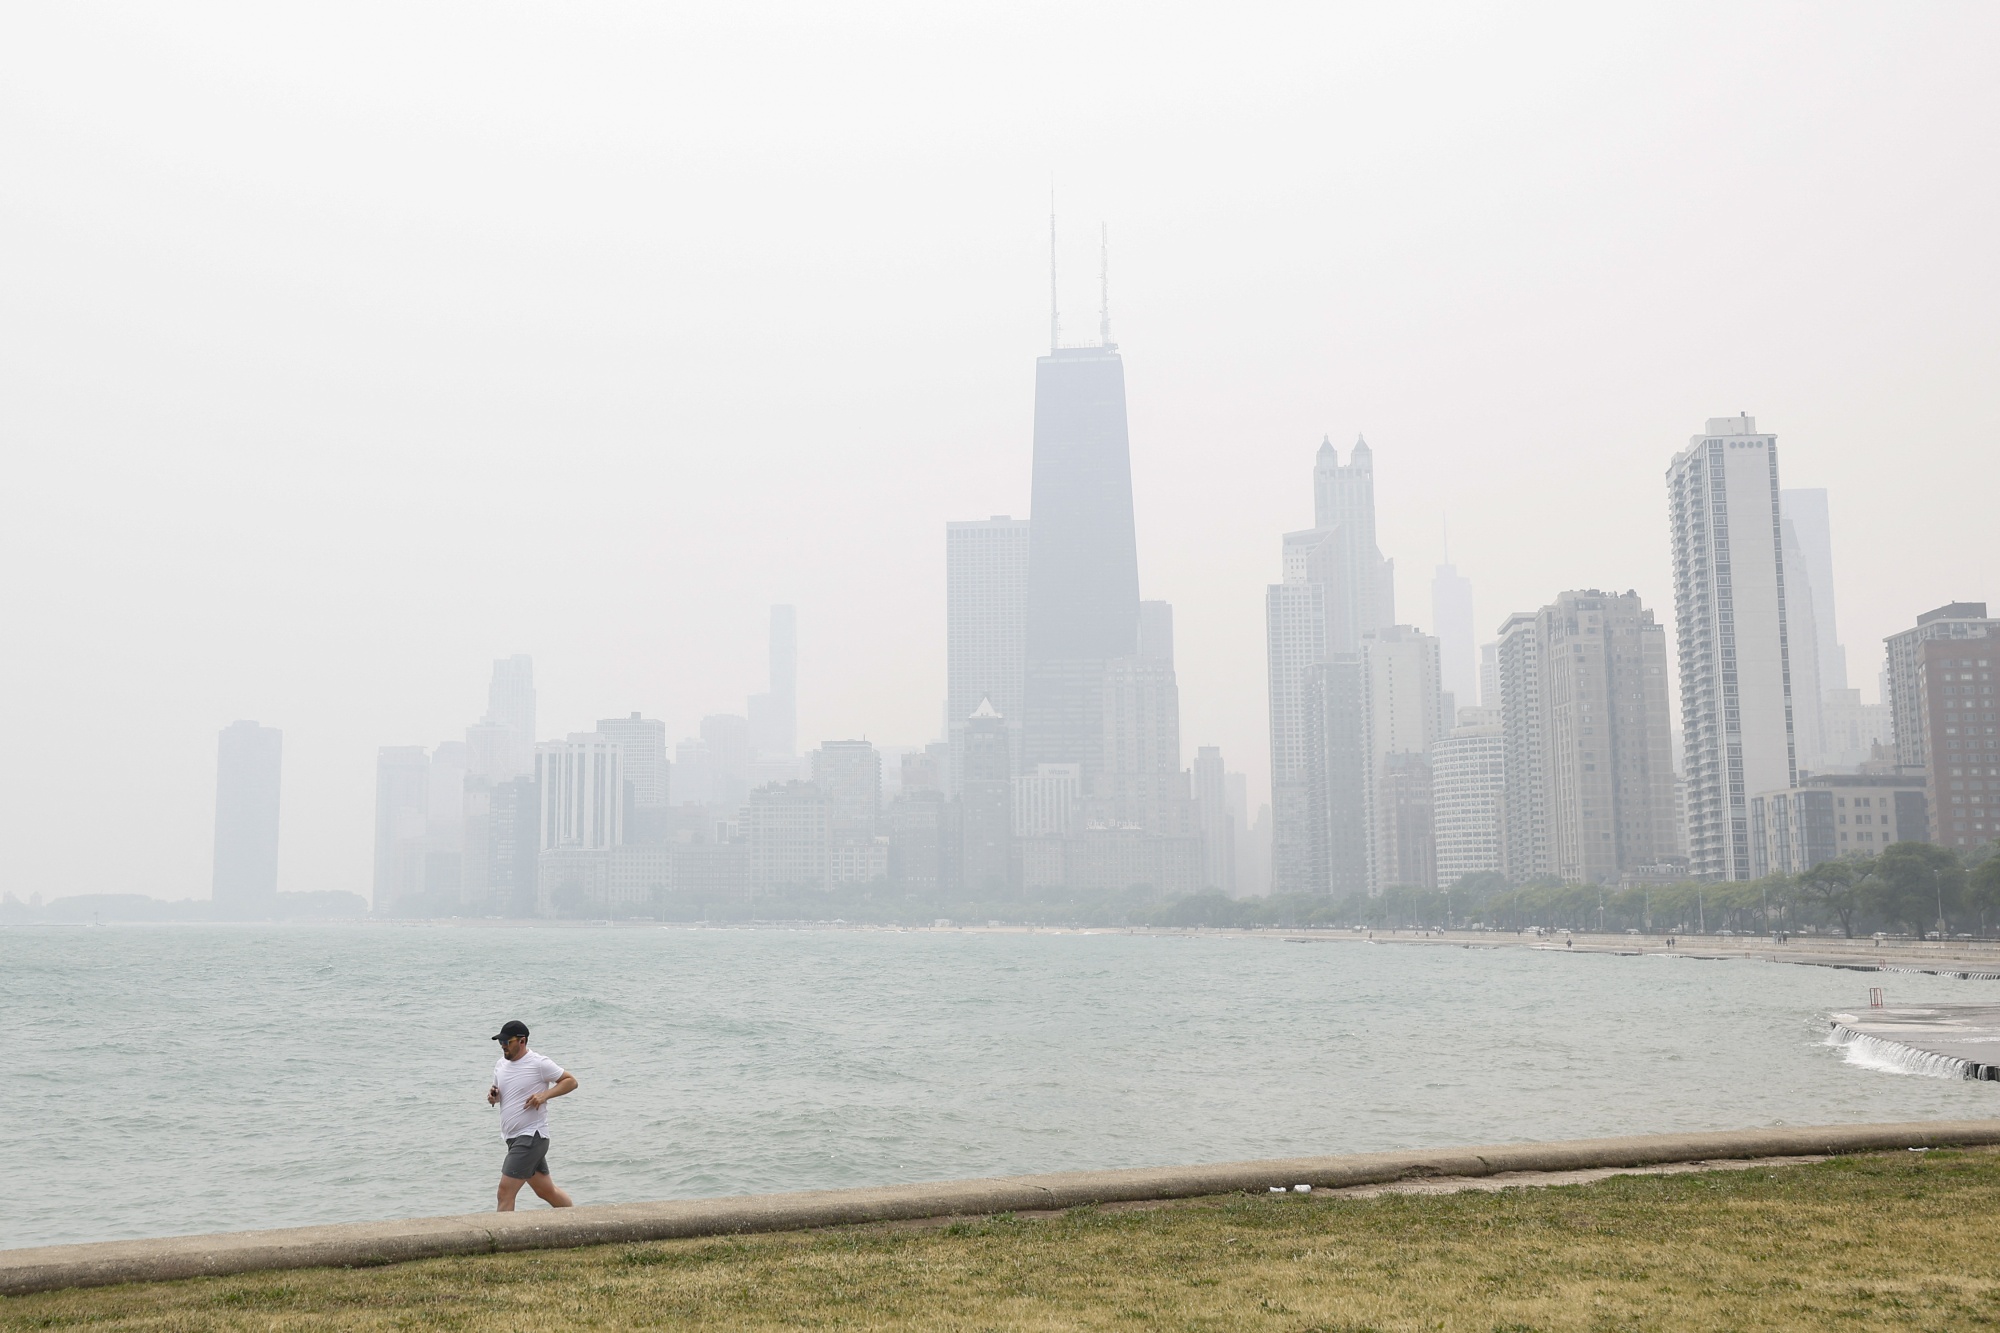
(1607, 762)
(1902, 673)
(1960, 718)
(1489, 675)
(985, 616)
(1337, 588)
(1730, 617)
(1468, 779)
(1584, 718)
(1525, 852)
(248, 761)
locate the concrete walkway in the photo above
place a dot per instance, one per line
(365, 1243)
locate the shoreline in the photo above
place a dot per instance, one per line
(1974, 959)
(362, 1244)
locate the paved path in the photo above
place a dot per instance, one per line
(363, 1243)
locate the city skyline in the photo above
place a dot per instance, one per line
(310, 462)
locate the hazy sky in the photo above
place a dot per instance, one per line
(346, 348)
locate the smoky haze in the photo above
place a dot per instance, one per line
(346, 349)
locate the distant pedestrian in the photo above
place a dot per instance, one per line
(523, 1083)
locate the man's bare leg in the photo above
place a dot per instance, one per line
(544, 1185)
(509, 1187)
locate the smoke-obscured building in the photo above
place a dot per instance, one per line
(1336, 590)
(1468, 779)
(985, 614)
(1730, 617)
(248, 762)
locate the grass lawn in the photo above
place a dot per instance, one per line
(1904, 1241)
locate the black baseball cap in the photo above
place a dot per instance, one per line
(513, 1027)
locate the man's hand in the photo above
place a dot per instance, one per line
(567, 1083)
(493, 1095)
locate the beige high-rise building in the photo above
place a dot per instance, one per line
(1589, 759)
(1608, 759)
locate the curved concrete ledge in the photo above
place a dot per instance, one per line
(359, 1244)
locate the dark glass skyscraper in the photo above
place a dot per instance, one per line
(1083, 563)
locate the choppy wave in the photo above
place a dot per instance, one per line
(1889, 1057)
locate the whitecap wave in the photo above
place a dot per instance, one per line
(1888, 1057)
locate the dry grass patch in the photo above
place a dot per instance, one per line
(1903, 1241)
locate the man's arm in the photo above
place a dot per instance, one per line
(563, 1085)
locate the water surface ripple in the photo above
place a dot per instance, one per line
(199, 1078)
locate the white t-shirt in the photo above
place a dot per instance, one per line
(517, 1080)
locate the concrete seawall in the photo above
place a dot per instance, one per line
(366, 1243)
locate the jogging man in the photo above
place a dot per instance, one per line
(523, 1083)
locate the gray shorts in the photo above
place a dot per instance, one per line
(527, 1155)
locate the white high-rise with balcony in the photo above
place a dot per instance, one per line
(1729, 609)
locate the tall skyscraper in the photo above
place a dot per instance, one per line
(1338, 777)
(1729, 614)
(1401, 719)
(247, 763)
(510, 704)
(985, 616)
(773, 720)
(1451, 618)
(1802, 655)
(1082, 606)
(1806, 511)
(1337, 589)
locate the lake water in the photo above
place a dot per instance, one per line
(198, 1078)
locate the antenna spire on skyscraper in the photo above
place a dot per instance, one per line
(1104, 285)
(1055, 320)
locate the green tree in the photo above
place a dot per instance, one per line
(1918, 884)
(1983, 889)
(1830, 889)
